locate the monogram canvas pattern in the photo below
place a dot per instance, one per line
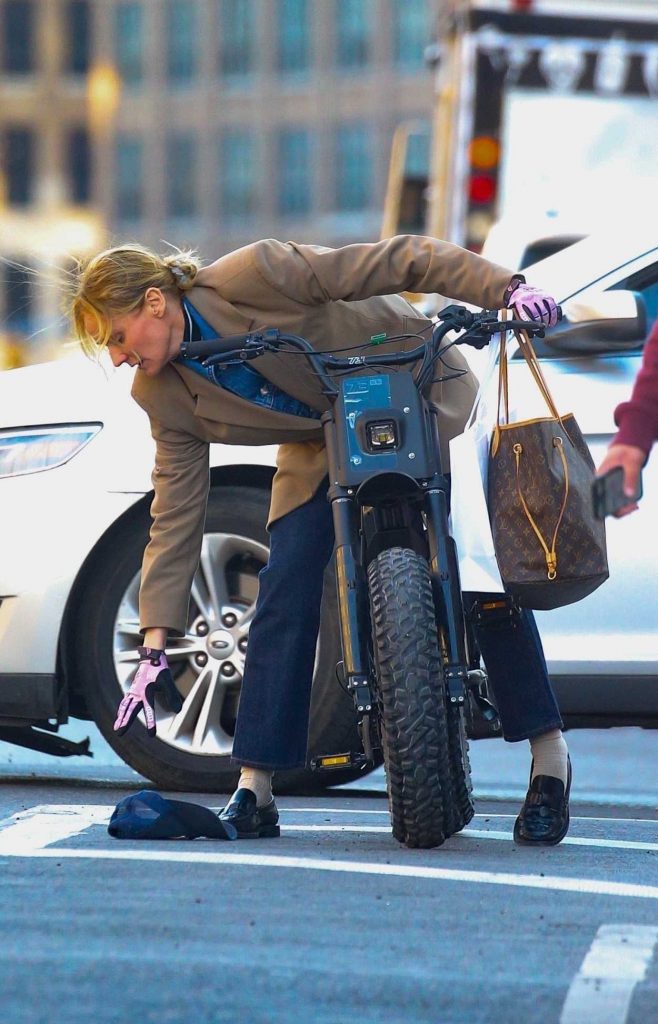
(579, 545)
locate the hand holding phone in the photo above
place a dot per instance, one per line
(608, 495)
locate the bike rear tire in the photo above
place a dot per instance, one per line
(411, 699)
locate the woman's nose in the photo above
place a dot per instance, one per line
(118, 358)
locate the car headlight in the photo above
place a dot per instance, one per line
(34, 449)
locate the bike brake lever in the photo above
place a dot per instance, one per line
(479, 337)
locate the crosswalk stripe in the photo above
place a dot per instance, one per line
(45, 824)
(32, 832)
(616, 961)
(555, 883)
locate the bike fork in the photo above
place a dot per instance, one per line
(444, 570)
(354, 618)
(462, 671)
(354, 628)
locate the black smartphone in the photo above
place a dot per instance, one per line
(608, 493)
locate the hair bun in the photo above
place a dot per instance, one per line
(183, 267)
(179, 274)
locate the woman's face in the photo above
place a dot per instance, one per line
(151, 337)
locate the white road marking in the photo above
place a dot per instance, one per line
(471, 833)
(45, 824)
(581, 886)
(330, 810)
(484, 815)
(609, 844)
(29, 833)
(574, 817)
(606, 844)
(616, 961)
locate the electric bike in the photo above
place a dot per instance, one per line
(410, 661)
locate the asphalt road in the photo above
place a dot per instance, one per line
(334, 921)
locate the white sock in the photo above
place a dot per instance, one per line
(259, 781)
(549, 755)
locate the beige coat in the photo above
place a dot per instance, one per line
(334, 298)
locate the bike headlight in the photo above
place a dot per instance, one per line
(382, 436)
(34, 449)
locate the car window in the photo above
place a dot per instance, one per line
(643, 280)
(543, 247)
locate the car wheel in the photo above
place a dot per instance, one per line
(192, 749)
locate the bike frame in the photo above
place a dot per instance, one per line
(395, 496)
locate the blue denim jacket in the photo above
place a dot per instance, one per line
(242, 379)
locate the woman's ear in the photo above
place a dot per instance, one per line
(155, 302)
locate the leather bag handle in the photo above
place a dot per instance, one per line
(530, 356)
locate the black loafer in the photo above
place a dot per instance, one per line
(251, 822)
(544, 817)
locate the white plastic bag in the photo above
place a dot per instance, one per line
(469, 515)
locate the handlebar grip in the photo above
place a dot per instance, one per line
(215, 346)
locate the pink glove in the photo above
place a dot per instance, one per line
(530, 303)
(152, 677)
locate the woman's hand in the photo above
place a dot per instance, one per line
(153, 677)
(631, 459)
(530, 303)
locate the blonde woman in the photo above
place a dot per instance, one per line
(141, 307)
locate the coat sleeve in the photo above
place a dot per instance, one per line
(637, 419)
(181, 482)
(311, 274)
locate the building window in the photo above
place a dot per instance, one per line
(292, 27)
(17, 36)
(78, 155)
(181, 161)
(182, 41)
(238, 178)
(353, 167)
(19, 299)
(236, 37)
(353, 20)
(412, 213)
(294, 171)
(128, 177)
(77, 36)
(410, 32)
(129, 41)
(418, 151)
(19, 165)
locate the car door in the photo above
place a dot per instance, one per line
(603, 651)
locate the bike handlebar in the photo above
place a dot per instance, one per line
(478, 328)
(217, 346)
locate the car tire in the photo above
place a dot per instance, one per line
(99, 622)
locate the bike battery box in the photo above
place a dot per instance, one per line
(382, 425)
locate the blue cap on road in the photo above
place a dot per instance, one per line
(147, 815)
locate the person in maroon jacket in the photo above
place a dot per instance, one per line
(637, 421)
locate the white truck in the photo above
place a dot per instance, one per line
(545, 110)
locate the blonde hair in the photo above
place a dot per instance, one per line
(113, 283)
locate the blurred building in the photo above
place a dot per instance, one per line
(196, 122)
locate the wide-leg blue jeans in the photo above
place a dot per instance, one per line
(272, 724)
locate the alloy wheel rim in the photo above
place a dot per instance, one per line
(208, 662)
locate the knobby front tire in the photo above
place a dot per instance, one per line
(411, 699)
